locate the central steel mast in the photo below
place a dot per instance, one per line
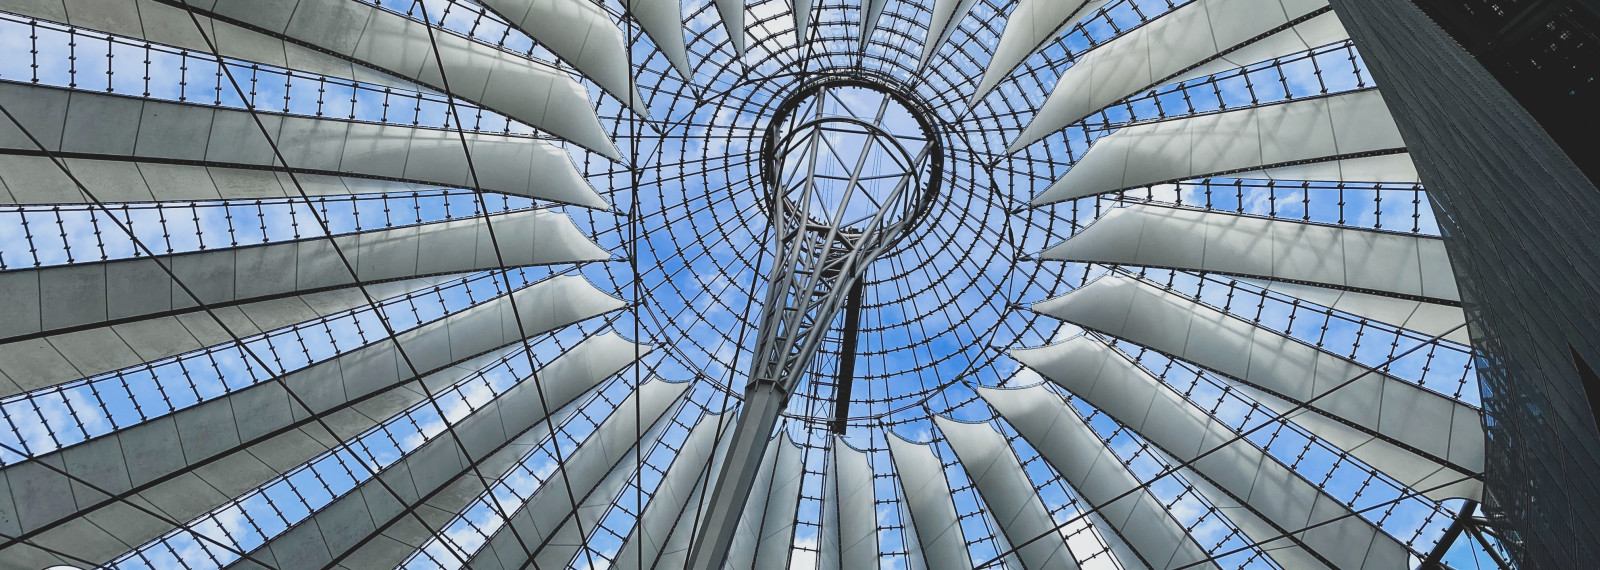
(828, 229)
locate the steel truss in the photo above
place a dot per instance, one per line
(818, 262)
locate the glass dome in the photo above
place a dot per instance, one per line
(439, 284)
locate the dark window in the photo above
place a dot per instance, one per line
(1591, 384)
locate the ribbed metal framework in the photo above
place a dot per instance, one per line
(443, 284)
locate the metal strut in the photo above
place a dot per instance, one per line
(821, 254)
(847, 360)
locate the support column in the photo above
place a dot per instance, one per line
(828, 230)
(1522, 225)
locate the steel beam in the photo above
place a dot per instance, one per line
(847, 360)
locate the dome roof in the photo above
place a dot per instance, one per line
(338, 283)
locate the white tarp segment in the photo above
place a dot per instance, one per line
(63, 323)
(1314, 32)
(404, 535)
(520, 88)
(1427, 318)
(927, 496)
(1270, 539)
(766, 527)
(1144, 57)
(849, 513)
(56, 358)
(663, 20)
(871, 10)
(802, 19)
(947, 15)
(675, 553)
(170, 24)
(742, 550)
(579, 32)
(190, 464)
(828, 537)
(182, 466)
(908, 534)
(565, 546)
(336, 529)
(1406, 265)
(1241, 140)
(529, 91)
(732, 12)
(1008, 494)
(1116, 386)
(1387, 410)
(1030, 24)
(35, 179)
(1394, 168)
(1097, 474)
(671, 500)
(112, 127)
(777, 517)
(266, 420)
(545, 519)
(51, 300)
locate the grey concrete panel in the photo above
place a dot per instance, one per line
(208, 429)
(82, 539)
(237, 138)
(436, 462)
(235, 473)
(99, 463)
(302, 546)
(99, 124)
(73, 296)
(344, 523)
(38, 494)
(132, 287)
(44, 118)
(152, 449)
(173, 132)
